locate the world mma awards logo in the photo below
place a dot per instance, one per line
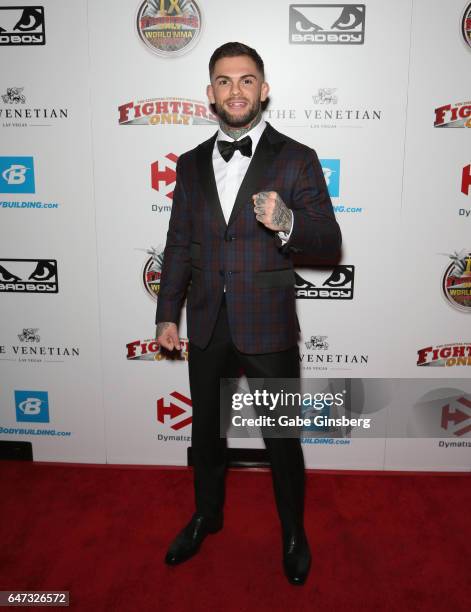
(151, 272)
(456, 281)
(22, 25)
(169, 28)
(327, 24)
(466, 26)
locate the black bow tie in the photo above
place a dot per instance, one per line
(227, 148)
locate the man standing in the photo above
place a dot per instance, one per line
(244, 200)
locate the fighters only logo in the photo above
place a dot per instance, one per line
(456, 115)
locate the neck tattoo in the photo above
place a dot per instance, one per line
(236, 133)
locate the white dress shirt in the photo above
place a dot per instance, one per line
(229, 175)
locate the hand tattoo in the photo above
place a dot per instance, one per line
(161, 327)
(281, 215)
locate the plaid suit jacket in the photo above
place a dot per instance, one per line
(203, 253)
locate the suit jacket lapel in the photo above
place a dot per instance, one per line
(268, 148)
(204, 160)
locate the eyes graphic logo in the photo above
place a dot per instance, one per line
(28, 276)
(326, 283)
(22, 25)
(327, 24)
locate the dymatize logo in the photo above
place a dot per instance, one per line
(163, 176)
(456, 416)
(327, 24)
(176, 413)
(326, 283)
(28, 276)
(17, 175)
(32, 406)
(22, 25)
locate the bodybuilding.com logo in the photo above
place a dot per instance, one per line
(327, 24)
(32, 406)
(331, 170)
(17, 175)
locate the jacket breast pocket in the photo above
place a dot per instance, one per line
(195, 251)
(274, 279)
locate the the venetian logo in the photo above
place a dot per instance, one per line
(169, 28)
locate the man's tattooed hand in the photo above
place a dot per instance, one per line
(270, 210)
(167, 335)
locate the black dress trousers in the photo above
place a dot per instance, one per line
(221, 359)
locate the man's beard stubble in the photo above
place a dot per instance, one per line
(241, 121)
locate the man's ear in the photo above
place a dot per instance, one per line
(210, 94)
(265, 91)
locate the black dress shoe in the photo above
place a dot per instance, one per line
(296, 557)
(188, 541)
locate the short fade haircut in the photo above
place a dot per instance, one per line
(234, 49)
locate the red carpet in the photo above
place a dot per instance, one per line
(379, 542)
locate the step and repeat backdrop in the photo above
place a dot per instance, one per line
(98, 101)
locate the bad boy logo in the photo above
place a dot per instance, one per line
(327, 24)
(169, 28)
(326, 283)
(22, 25)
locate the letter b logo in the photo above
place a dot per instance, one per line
(32, 406)
(17, 175)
